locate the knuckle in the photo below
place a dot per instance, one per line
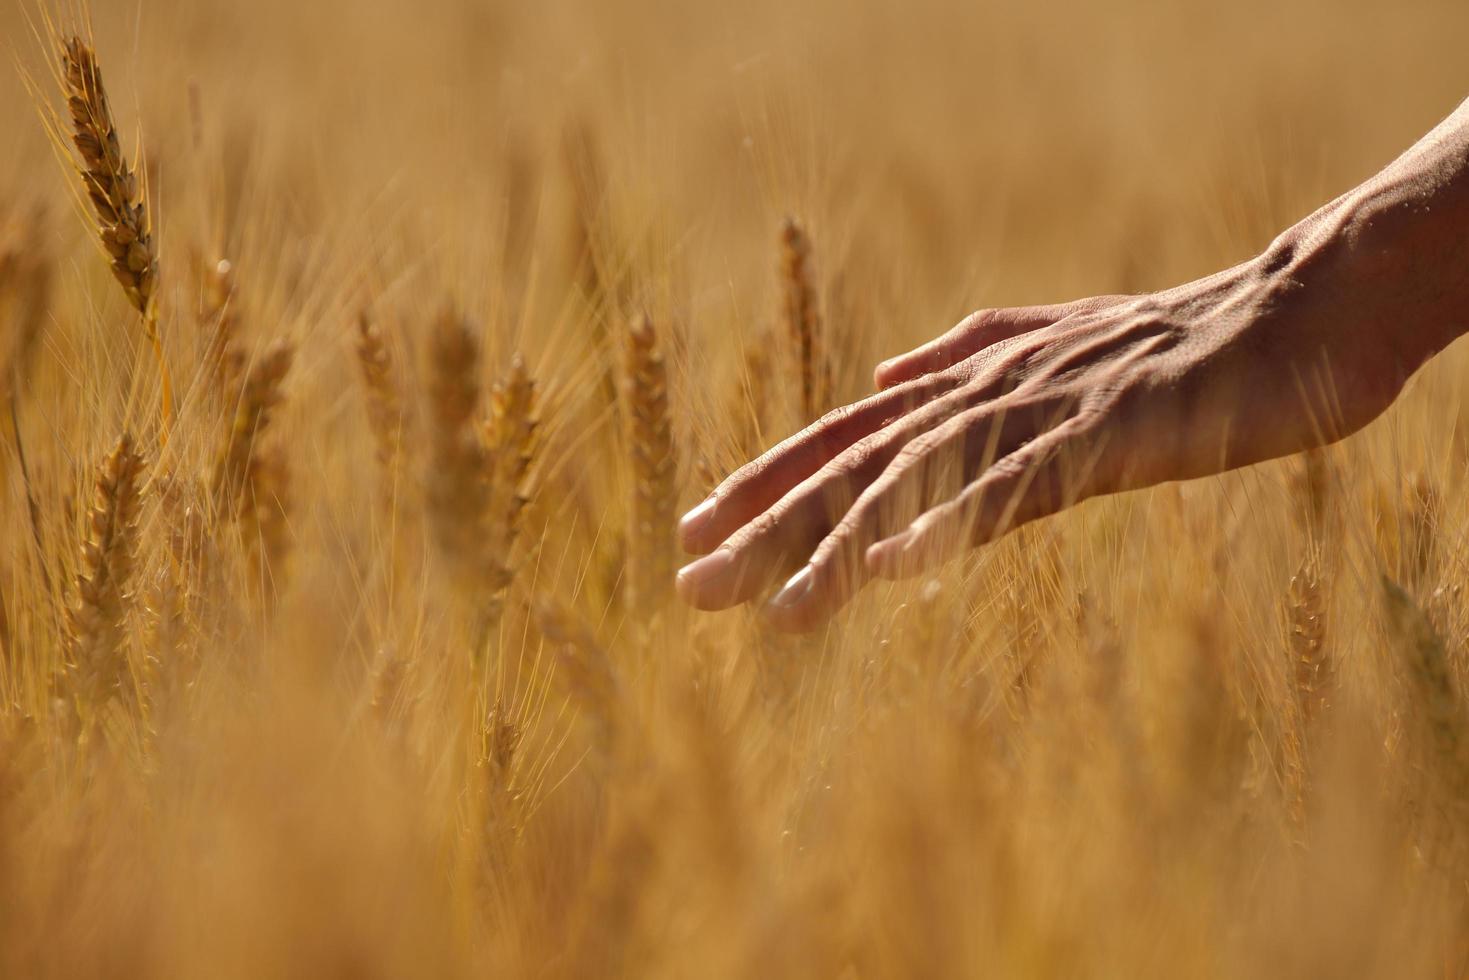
(978, 320)
(1146, 305)
(851, 523)
(762, 528)
(1023, 360)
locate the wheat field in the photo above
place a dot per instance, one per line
(353, 387)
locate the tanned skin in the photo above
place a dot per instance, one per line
(1016, 414)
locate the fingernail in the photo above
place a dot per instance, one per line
(794, 590)
(697, 519)
(696, 577)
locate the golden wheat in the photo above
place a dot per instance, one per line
(111, 182)
(650, 442)
(510, 436)
(1424, 509)
(384, 407)
(97, 662)
(116, 194)
(26, 279)
(502, 737)
(392, 701)
(1309, 653)
(240, 462)
(584, 667)
(220, 320)
(1436, 706)
(467, 735)
(456, 481)
(803, 318)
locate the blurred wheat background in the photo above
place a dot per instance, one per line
(365, 663)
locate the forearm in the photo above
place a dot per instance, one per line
(1391, 255)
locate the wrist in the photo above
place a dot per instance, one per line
(1383, 270)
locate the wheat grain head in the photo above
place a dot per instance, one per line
(654, 463)
(96, 658)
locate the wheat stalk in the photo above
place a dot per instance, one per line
(1424, 508)
(220, 318)
(1313, 667)
(654, 463)
(392, 695)
(96, 659)
(803, 318)
(384, 407)
(586, 174)
(20, 761)
(1312, 484)
(1440, 710)
(500, 738)
(26, 275)
(477, 481)
(258, 400)
(457, 475)
(510, 433)
(267, 510)
(583, 666)
(115, 192)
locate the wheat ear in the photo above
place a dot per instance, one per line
(583, 667)
(392, 696)
(803, 317)
(1441, 712)
(96, 658)
(654, 463)
(1424, 510)
(510, 433)
(384, 407)
(116, 194)
(457, 478)
(1309, 654)
(258, 399)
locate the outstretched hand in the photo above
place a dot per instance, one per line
(1016, 414)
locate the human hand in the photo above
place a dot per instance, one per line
(1018, 413)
